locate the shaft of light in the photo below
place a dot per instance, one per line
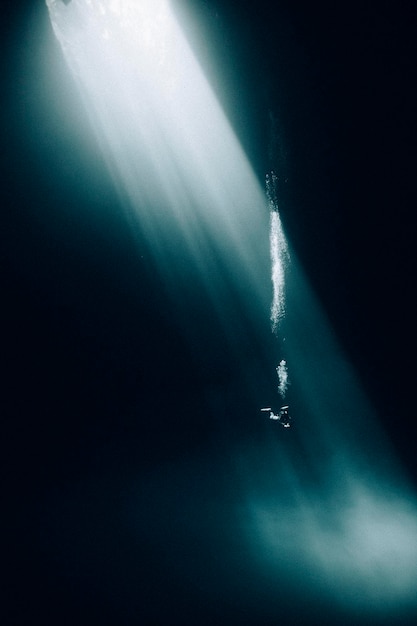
(172, 152)
(193, 194)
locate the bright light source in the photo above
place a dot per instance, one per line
(172, 152)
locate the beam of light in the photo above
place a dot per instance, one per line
(351, 535)
(331, 505)
(172, 153)
(320, 504)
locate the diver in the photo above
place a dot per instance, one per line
(283, 416)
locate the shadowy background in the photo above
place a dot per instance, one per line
(103, 398)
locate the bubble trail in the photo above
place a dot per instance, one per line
(279, 254)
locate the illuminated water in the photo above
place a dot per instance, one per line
(323, 510)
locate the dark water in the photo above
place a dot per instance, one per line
(135, 459)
